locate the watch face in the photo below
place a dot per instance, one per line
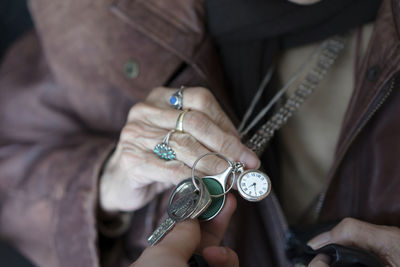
(254, 185)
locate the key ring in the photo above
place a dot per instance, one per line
(231, 165)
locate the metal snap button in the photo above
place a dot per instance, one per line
(131, 69)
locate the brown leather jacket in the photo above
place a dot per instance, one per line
(65, 91)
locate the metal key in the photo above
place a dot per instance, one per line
(184, 202)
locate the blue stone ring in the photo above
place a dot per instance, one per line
(176, 99)
(163, 150)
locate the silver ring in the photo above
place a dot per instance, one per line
(224, 158)
(177, 98)
(163, 150)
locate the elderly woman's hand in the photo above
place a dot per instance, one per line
(134, 174)
(384, 241)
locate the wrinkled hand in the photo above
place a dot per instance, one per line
(178, 245)
(384, 241)
(134, 174)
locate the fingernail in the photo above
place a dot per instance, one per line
(319, 240)
(250, 159)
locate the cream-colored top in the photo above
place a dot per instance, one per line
(309, 138)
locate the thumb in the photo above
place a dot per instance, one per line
(175, 249)
(381, 240)
(183, 239)
(349, 232)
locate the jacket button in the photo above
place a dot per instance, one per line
(373, 73)
(131, 69)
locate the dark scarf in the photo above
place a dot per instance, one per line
(249, 33)
(15, 20)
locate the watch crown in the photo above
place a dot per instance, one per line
(238, 167)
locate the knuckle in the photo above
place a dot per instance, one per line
(129, 133)
(126, 134)
(138, 110)
(136, 134)
(185, 142)
(198, 120)
(218, 165)
(346, 229)
(200, 90)
(156, 92)
(348, 222)
(221, 118)
(135, 111)
(230, 145)
(204, 98)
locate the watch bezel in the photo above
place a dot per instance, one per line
(247, 196)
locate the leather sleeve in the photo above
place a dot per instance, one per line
(50, 159)
(64, 98)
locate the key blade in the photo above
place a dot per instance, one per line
(161, 230)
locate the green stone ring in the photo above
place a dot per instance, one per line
(163, 150)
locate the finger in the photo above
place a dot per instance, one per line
(213, 231)
(186, 147)
(136, 155)
(220, 257)
(348, 232)
(212, 137)
(188, 150)
(175, 249)
(199, 126)
(321, 260)
(146, 167)
(183, 239)
(195, 98)
(142, 177)
(201, 99)
(382, 240)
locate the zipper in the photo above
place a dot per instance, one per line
(376, 105)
